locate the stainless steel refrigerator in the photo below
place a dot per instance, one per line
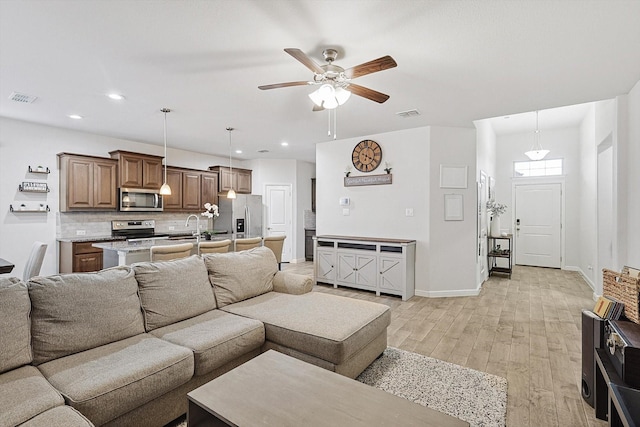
(241, 216)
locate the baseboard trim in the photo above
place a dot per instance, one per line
(584, 276)
(451, 293)
(297, 261)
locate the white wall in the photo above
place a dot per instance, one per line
(562, 143)
(633, 170)
(588, 199)
(486, 148)
(445, 260)
(23, 144)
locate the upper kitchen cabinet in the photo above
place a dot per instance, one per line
(240, 179)
(190, 189)
(138, 170)
(87, 183)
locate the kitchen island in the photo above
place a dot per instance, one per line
(129, 251)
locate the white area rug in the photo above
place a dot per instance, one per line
(473, 396)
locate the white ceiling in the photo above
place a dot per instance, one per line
(458, 61)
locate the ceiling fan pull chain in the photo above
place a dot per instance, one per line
(329, 124)
(335, 123)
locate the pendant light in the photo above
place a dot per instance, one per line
(165, 190)
(536, 152)
(231, 194)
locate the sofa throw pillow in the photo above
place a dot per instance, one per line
(172, 291)
(74, 312)
(15, 335)
(237, 276)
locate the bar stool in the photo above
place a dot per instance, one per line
(245, 244)
(169, 252)
(214, 247)
(35, 260)
(275, 243)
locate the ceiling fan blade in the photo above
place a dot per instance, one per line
(316, 108)
(374, 66)
(278, 85)
(305, 60)
(365, 92)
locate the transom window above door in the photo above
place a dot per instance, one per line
(538, 168)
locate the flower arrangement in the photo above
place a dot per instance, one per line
(496, 209)
(211, 211)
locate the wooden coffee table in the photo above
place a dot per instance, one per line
(277, 390)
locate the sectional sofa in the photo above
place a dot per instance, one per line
(123, 346)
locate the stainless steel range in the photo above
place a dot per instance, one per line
(136, 229)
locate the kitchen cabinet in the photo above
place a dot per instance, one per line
(240, 179)
(79, 257)
(138, 170)
(313, 194)
(190, 189)
(308, 244)
(87, 183)
(380, 265)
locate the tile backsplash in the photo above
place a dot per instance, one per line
(98, 224)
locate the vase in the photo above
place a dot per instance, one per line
(495, 230)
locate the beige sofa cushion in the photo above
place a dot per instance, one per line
(75, 312)
(329, 327)
(60, 416)
(215, 338)
(236, 276)
(15, 330)
(25, 393)
(172, 291)
(108, 381)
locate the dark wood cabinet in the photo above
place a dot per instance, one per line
(308, 244)
(87, 183)
(80, 257)
(239, 179)
(190, 189)
(138, 170)
(209, 183)
(313, 194)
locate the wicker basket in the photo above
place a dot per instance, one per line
(625, 289)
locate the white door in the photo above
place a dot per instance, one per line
(278, 205)
(538, 217)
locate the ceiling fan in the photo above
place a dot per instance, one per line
(334, 81)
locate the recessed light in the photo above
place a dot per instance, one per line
(284, 144)
(238, 151)
(115, 96)
(75, 116)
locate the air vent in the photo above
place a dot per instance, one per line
(22, 97)
(263, 151)
(408, 113)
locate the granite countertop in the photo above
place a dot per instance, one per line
(76, 239)
(365, 239)
(140, 245)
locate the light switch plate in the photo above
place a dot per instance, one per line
(408, 212)
(345, 211)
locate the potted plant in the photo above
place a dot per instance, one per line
(495, 210)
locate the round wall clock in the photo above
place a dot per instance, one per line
(366, 155)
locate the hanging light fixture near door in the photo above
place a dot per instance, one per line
(536, 152)
(165, 190)
(231, 194)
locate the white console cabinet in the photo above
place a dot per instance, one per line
(380, 265)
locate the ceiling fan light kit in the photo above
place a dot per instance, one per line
(536, 152)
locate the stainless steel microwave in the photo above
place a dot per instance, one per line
(140, 200)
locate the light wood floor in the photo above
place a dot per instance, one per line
(527, 329)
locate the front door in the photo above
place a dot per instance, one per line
(538, 217)
(279, 216)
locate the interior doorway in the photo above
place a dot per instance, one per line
(538, 224)
(278, 216)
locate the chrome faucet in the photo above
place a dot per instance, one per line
(197, 232)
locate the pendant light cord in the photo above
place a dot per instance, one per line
(229, 129)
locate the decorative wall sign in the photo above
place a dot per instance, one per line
(356, 181)
(453, 176)
(453, 207)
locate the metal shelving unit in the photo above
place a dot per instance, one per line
(497, 251)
